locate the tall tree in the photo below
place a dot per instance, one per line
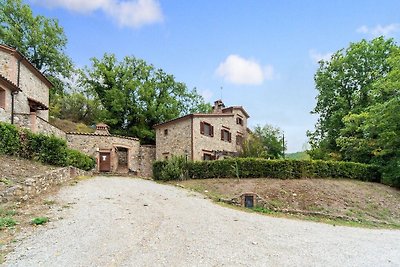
(40, 39)
(136, 96)
(344, 84)
(373, 136)
(264, 142)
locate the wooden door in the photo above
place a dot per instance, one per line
(105, 162)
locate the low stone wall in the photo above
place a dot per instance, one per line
(37, 184)
(147, 155)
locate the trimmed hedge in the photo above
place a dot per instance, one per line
(46, 149)
(283, 169)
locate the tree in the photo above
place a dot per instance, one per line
(264, 142)
(40, 39)
(373, 136)
(344, 84)
(136, 96)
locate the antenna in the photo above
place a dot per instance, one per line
(221, 92)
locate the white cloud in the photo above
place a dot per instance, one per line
(132, 13)
(379, 30)
(317, 56)
(238, 70)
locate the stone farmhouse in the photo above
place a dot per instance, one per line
(24, 101)
(24, 93)
(203, 136)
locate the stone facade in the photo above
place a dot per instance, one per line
(37, 184)
(147, 156)
(225, 130)
(31, 88)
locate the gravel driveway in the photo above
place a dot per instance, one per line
(133, 222)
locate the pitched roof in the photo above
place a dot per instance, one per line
(229, 109)
(20, 56)
(9, 84)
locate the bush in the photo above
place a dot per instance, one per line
(9, 139)
(80, 160)
(173, 169)
(43, 148)
(283, 169)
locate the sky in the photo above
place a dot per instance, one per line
(261, 55)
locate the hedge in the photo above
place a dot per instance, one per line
(283, 169)
(43, 148)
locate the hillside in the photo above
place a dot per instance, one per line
(70, 126)
(347, 200)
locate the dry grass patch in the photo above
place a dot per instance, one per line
(363, 202)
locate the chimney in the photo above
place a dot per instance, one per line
(102, 129)
(218, 106)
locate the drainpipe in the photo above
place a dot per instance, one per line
(15, 92)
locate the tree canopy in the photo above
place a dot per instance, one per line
(359, 107)
(136, 96)
(264, 142)
(40, 39)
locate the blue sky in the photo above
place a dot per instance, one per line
(262, 53)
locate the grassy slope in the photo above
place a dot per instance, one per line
(366, 203)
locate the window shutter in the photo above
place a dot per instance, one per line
(222, 135)
(202, 127)
(212, 130)
(229, 137)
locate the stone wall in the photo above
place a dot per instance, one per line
(8, 66)
(146, 158)
(5, 116)
(37, 125)
(38, 184)
(92, 144)
(46, 128)
(176, 140)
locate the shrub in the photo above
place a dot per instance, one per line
(46, 149)
(283, 169)
(80, 160)
(9, 139)
(173, 169)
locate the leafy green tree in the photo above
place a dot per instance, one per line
(264, 142)
(344, 85)
(40, 39)
(373, 136)
(136, 96)
(77, 107)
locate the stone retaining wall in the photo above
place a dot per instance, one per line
(37, 184)
(147, 156)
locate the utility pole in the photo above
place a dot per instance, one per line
(283, 145)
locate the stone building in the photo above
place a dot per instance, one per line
(114, 153)
(24, 93)
(203, 136)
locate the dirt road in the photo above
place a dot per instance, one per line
(133, 222)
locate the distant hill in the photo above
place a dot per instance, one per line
(298, 155)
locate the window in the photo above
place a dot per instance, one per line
(206, 129)
(239, 140)
(165, 132)
(239, 121)
(208, 156)
(226, 135)
(2, 98)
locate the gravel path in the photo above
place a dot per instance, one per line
(133, 222)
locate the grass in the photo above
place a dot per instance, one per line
(7, 222)
(344, 202)
(40, 220)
